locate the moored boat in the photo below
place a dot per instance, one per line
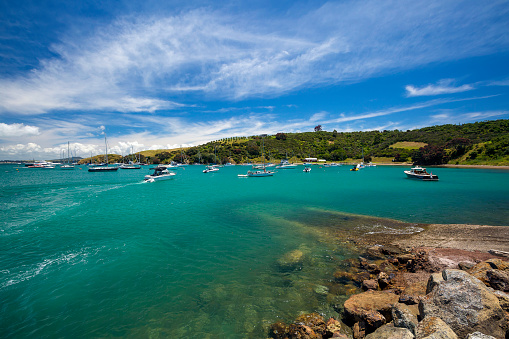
(420, 173)
(160, 173)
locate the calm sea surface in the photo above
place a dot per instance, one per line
(106, 255)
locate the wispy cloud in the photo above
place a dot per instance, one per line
(146, 64)
(444, 86)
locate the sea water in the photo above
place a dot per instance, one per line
(203, 255)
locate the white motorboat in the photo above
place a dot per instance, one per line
(420, 173)
(160, 173)
(285, 164)
(209, 169)
(307, 169)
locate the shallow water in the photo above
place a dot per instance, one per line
(202, 255)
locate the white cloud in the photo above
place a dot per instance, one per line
(140, 65)
(444, 86)
(17, 130)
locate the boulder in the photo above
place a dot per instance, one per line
(465, 265)
(434, 328)
(390, 332)
(373, 308)
(413, 293)
(434, 280)
(370, 284)
(503, 299)
(403, 317)
(278, 330)
(498, 280)
(291, 261)
(332, 327)
(314, 321)
(479, 335)
(465, 304)
(298, 331)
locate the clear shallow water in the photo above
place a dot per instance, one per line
(106, 255)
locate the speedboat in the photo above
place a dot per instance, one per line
(210, 169)
(307, 169)
(160, 173)
(420, 173)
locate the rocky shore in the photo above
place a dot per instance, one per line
(448, 281)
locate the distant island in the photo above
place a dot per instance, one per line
(479, 143)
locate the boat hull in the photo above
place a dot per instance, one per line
(423, 177)
(150, 178)
(103, 169)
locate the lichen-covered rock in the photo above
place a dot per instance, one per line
(465, 304)
(434, 328)
(403, 317)
(503, 299)
(390, 332)
(298, 331)
(479, 335)
(332, 327)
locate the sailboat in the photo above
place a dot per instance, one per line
(68, 165)
(131, 164)
(104, 168)
(260, 172)
(214, 167)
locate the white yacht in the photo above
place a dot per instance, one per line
(420, 173)
(160, 173)
(212, 168)
(285, 164)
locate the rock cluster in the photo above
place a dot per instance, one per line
(409, 295)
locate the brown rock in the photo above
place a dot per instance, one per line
(297, 331)
(498, 264)
(404, 258)
(359, 330)
(434, 328)
(498, 280)
(371, 307)
(389, 331)
(383, 280)
(434, 280)
(402, 316)
(278, 330)
(370, 284)
(413, 293)
(503, 299)
(333, 326)
(314, 321)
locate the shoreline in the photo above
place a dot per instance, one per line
(454, 236)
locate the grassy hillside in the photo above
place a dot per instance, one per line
(477, 143)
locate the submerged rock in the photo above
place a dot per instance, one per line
(291, 261)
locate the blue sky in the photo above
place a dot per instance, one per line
(159, 74)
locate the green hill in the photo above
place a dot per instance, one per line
(480, 143)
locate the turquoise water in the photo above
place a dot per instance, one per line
(106, 255)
